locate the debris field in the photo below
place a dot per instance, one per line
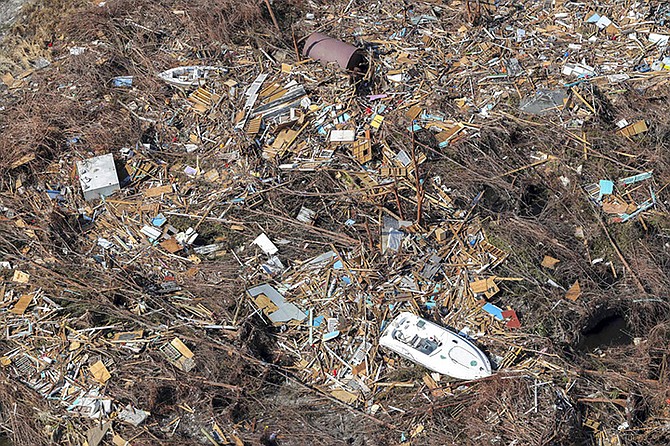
(212, 211)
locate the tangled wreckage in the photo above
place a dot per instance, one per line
(344, 222)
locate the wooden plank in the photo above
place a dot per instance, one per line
(157, 191)
(22, 304)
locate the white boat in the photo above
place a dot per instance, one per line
(191, 76)
(435, 347)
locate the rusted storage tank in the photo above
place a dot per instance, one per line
(327, 49)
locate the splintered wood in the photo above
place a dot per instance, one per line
(202, 100)
(335, 344)
(280, 209)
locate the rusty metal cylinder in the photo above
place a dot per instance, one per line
(327, 49)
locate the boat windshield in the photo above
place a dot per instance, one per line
(424, 345)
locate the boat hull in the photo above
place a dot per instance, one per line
(435, 348)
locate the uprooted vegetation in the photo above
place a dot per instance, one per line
(514, 179)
